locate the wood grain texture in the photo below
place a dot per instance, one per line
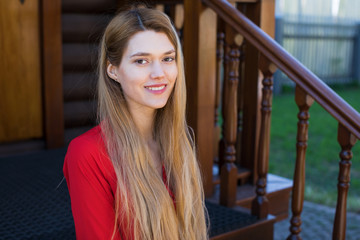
(52, 72)
(20, 80)
(267, 22)
(250, 98)
(200, 66)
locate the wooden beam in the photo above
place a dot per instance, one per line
(52, 73)
(200, 67)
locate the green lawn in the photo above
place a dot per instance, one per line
(323, 149)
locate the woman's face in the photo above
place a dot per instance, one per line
(148, 70)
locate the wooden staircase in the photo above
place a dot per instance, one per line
(278, 190)
(309, 88)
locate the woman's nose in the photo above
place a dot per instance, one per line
(157, 70)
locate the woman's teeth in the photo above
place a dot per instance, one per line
(156, 88)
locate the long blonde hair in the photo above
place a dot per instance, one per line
(143, 206)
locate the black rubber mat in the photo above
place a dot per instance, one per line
(35, 203)
(223, 219)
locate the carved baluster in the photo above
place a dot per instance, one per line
(228, 175)
(240, 103)
(260, 205)
(220, 60)
(346, 141)
(303, 101)
(222, 27)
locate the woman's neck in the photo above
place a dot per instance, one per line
(144, 121)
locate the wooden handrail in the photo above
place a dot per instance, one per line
(303, 77)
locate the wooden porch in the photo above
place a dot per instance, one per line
(230, 60)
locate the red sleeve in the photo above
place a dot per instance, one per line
(92, 198)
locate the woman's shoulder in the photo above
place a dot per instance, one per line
(87, 148)
(87, 167)
(89, 139)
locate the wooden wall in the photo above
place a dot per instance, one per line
(20, 71)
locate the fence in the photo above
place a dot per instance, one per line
(331, 50)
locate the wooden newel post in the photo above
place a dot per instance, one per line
(199, 37)
(260, 205)
(228, 175)
(346, 141)
(304, 102)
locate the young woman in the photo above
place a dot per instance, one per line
(135, 175)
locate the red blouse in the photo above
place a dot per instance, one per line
(91, 181)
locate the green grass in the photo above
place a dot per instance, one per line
(322, 155)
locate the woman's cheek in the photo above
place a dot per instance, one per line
(174, 73)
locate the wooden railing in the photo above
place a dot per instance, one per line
(234, 28)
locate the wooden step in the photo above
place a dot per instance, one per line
(242, 176)
(262, 229)
(237, 223)
(277, 191)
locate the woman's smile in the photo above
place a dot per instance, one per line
(156, 88)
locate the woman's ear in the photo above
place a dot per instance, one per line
(111, 71)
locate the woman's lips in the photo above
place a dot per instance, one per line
(157, 88)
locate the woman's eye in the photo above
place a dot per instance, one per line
(141, 61)
(169, 59)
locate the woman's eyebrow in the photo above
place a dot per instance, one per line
(169, 52)
(138, 54)
(142, 54)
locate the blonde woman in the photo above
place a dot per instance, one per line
(135, 175)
